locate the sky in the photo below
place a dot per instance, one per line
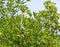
(36, 5)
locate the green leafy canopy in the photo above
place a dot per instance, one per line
(17, 30)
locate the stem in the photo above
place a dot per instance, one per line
(21, 23)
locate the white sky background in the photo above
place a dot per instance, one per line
(36, 5)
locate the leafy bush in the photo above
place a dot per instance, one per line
(22, 31)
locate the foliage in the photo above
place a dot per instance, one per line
(40, 31)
